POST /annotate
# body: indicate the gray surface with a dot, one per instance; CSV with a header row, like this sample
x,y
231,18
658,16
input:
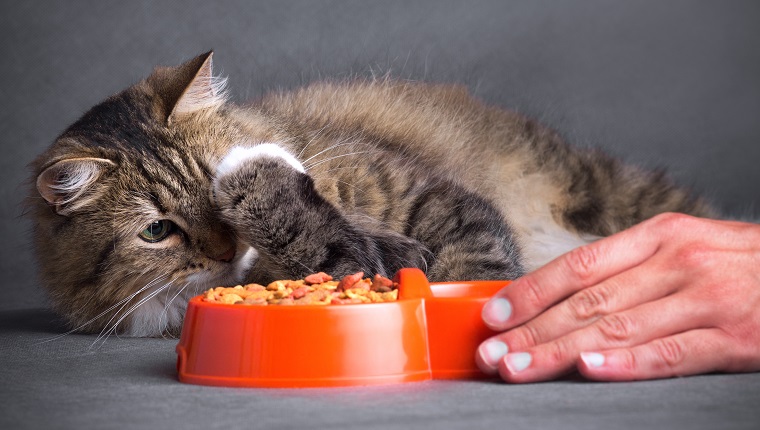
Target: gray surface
x,y
671,84
131,383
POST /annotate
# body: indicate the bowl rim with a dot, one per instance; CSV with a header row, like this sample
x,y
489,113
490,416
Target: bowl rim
x,y
489,287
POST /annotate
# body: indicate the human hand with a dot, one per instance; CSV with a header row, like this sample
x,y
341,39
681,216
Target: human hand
x,y
672,296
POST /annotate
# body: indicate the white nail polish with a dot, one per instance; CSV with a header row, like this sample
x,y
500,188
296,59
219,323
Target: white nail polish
x,y
592,359
492,351
518,361
497,311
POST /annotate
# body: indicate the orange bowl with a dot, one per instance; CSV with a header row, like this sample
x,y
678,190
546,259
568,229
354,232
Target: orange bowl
x,y
453,319
432,331
455,327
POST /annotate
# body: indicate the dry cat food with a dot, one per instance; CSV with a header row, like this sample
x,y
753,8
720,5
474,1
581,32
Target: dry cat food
x,y
316,289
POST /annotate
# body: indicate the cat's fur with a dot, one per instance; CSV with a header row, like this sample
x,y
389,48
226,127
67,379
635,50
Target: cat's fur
x,y
335,177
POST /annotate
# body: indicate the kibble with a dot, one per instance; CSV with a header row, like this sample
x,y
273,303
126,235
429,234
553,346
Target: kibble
x,y
316,289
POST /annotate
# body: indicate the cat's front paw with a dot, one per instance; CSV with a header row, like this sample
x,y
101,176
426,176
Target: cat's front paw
x,y
258,179
264,194
248,171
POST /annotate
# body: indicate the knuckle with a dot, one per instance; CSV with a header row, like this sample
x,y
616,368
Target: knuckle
x,y
693,256
628,362
589,303
582,262
531,335
534,293
523,337
559,351
671,225
616,328
670,220
669,351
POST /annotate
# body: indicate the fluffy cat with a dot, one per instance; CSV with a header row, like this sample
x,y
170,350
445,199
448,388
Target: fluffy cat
x,y
166,189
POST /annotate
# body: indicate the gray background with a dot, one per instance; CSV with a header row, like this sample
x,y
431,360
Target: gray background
x,y
671,84
660,83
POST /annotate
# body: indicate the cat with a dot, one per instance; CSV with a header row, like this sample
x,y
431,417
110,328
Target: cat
x,y
167,189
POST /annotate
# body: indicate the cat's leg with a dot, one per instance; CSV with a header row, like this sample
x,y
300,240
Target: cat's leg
x,y
468,237
264,194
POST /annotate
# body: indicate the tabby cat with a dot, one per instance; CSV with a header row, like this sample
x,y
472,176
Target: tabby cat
x,y
166,189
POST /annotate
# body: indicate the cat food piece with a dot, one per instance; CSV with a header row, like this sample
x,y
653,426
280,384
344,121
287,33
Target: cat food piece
x,y
381,284
300,292
318,278
316,289
348,281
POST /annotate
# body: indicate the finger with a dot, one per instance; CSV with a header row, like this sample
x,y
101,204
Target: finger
x,y
580,268
644,323
621,292
618,293
689,353
489,354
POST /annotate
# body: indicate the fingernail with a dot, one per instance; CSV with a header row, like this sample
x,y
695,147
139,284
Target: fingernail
x,y
497,311
492,351
518,361
592,359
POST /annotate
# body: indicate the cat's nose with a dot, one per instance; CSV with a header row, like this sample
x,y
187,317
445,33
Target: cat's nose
x,y
226,256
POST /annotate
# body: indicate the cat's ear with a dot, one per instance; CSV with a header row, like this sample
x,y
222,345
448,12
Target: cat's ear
x,y
189,87
72,183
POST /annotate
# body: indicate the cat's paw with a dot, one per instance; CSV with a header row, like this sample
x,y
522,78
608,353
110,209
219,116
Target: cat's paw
x,y
262,193
257,178
236,172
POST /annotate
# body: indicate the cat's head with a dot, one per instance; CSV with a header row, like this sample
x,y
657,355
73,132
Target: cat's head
x,y
124,228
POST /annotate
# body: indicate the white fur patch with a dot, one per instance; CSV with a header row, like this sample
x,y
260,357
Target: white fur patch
x,y
542,239
65,182
80,176
546,241
244,263
240,154
167,307
156,314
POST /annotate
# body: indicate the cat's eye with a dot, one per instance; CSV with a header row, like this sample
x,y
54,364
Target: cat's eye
x,y
157,231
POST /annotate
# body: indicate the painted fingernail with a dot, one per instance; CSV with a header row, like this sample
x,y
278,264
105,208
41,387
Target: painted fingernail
x,y
518,361
497,311
491,352
592,359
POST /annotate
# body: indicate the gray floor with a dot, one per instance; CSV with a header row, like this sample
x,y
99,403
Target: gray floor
x,y
132,383
673,84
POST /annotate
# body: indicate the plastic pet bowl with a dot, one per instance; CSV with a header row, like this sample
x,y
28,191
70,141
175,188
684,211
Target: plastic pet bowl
x,y
430,332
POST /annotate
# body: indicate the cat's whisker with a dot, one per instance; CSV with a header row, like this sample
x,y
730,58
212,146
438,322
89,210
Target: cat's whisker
x,y
333,169
96,317
106,331
317,134
124,302
335,157
308,269
283,263
128,312
348,141
320,174
165,313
